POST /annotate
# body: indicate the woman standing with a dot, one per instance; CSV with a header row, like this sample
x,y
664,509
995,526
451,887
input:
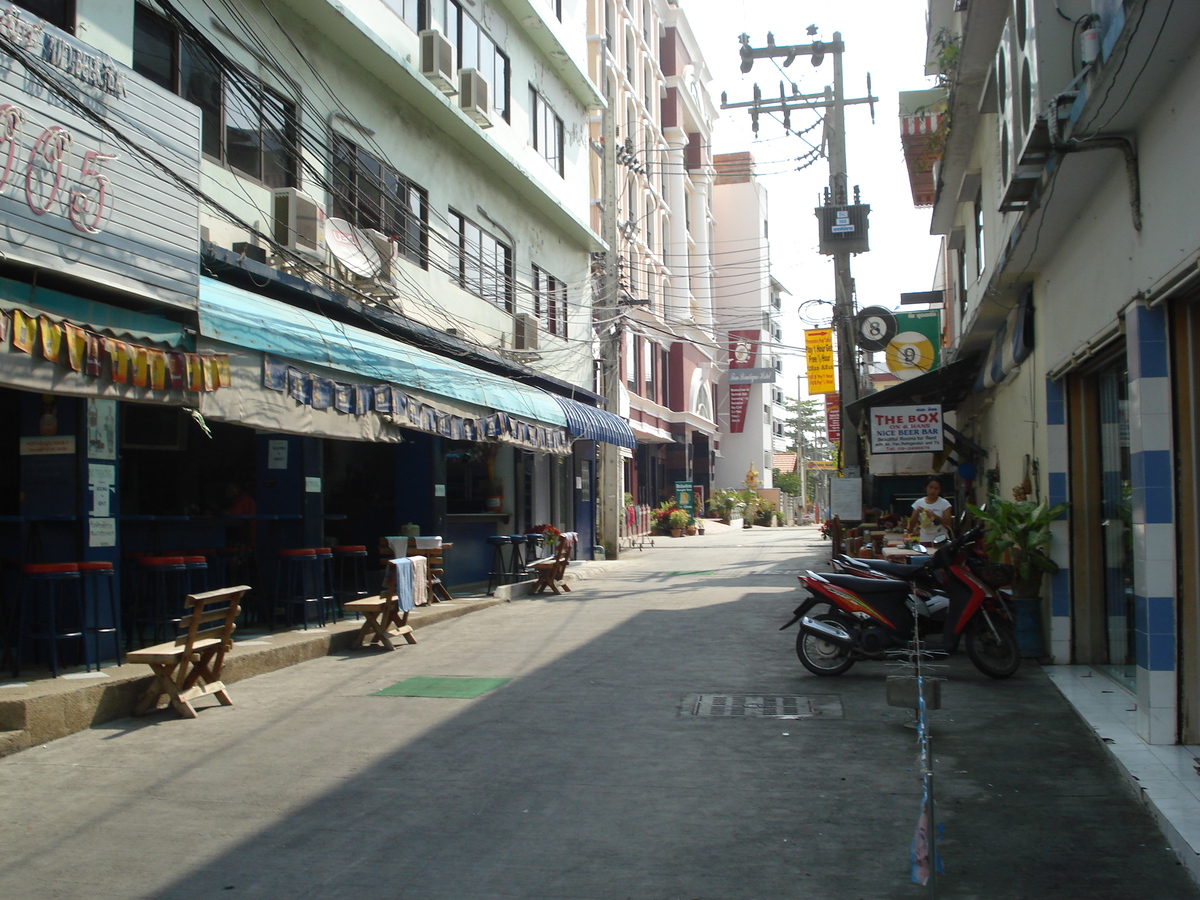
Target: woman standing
x,y
931,514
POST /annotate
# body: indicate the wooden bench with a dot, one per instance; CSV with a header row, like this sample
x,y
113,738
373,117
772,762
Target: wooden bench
x,y
551,569
382,617
190,666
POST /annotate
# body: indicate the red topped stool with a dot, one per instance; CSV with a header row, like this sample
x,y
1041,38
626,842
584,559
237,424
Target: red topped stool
x,y
101,616
51,611
298,586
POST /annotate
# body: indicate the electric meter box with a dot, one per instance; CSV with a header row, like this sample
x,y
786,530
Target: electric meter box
x,y
843,228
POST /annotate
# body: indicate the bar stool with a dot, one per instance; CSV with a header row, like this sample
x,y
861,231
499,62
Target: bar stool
x,y
197,573
324,585
516,569
498,574
98,593
162,584
297,585
350,573
533,547
51,610
218,568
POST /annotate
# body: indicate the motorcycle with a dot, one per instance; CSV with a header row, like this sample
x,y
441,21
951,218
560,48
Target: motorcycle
x,y
952,597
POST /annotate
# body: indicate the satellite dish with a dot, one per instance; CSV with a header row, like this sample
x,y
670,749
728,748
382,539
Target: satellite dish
x,y
353,249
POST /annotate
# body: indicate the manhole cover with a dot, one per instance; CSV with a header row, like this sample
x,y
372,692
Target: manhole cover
x,y
765,706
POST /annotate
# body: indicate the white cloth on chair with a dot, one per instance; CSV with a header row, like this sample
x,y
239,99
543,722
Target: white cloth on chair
x,y
399,545
406,582
420,580
428,542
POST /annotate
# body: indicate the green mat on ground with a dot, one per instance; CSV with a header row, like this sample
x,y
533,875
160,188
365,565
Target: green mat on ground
x,y
456,687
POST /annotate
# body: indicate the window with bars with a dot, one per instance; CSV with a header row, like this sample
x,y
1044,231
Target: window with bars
x,y
475,49
550,302
371,194
482,263
546,131
244,124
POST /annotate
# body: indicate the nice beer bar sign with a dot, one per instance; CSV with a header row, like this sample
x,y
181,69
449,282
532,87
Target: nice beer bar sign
x,y
906,429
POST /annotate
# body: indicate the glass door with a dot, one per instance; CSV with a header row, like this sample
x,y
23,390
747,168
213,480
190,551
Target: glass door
x,y
1116,524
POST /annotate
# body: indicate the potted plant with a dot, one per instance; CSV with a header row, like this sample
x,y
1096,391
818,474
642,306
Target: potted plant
x,y
1019,534
678,521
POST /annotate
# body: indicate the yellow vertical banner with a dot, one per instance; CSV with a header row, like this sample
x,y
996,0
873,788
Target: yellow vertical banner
x,y
818,346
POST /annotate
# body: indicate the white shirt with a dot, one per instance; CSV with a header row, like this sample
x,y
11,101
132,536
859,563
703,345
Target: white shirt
x,y
928,520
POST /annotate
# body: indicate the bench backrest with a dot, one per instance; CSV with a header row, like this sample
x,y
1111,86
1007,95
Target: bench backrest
x,y
212,614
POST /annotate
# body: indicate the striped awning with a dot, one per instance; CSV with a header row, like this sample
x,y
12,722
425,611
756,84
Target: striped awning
x,y
594,424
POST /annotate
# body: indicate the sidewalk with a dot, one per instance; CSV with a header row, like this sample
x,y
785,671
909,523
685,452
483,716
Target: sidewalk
x,y
41,708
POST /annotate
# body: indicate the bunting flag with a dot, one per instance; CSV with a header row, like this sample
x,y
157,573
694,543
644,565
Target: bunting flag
x,y
24,331
52,335
98,356
76,345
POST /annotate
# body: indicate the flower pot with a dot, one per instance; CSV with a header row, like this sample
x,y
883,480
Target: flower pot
x,y
1030,640
676,532
691,529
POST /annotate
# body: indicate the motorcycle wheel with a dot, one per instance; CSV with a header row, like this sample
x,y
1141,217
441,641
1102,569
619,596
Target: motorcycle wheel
x,y
822,657
994,658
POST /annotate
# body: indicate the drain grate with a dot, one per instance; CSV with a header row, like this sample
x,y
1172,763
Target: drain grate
x,y
765,706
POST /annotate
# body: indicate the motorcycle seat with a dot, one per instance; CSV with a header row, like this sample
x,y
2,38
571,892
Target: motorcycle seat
x,y
898,570
866,585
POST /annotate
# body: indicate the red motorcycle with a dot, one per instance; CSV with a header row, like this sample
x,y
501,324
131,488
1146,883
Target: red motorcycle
x,y
948,600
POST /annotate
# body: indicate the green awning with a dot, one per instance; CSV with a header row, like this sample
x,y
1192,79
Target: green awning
x,y
238,317
92,314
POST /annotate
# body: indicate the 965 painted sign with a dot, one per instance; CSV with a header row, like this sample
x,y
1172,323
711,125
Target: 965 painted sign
x,y
78,192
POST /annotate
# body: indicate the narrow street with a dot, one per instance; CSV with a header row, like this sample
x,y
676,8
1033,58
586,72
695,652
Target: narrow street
x,y
586,776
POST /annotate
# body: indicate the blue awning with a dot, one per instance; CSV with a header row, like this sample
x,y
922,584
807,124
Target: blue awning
x,y
594,424
235,316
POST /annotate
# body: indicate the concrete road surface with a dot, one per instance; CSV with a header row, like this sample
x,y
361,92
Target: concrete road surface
x,y
587,775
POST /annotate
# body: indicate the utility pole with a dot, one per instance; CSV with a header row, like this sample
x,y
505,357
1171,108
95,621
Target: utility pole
x,y
833,101
608,455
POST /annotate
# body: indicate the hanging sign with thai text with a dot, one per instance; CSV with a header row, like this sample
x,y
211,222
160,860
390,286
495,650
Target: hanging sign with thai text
x,y
818,346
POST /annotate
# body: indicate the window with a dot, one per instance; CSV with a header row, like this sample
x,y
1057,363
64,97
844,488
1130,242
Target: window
x,y
371,194
475,48
59,13
550,302
546,131
245,124
408,10
482,264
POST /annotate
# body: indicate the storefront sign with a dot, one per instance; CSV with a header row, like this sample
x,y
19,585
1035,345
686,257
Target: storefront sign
x,y
915,348
83,201
818,347
743,354
845,499
684,497
47,446
102,532
906,429
833,418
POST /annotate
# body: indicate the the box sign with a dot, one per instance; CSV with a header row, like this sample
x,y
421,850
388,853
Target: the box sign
x,y
906,429
83,145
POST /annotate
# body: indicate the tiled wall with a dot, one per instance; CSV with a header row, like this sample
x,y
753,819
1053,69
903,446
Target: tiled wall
x,y
1056,469
1153,522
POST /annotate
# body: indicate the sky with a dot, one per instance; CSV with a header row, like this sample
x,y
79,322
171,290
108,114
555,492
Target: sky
x,y
883,37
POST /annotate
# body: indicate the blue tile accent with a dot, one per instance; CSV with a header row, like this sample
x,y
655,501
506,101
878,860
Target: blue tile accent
x,y
1057,489
1161,656
1056,403
1152,342
1151,324
1159,506
1160,614
1060,593
1155,469
1141,616
1141,649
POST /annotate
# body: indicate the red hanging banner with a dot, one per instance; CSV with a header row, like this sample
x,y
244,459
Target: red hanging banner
x,y
743,353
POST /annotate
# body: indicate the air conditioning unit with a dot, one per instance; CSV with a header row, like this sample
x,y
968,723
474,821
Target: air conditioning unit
x,y
526,329
299,222
386,248
1040,48
473,97
437,60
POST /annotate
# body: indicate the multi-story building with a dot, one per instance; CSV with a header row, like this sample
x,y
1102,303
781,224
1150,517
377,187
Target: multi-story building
x,y
339,255
748,305
663,204
1062,188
